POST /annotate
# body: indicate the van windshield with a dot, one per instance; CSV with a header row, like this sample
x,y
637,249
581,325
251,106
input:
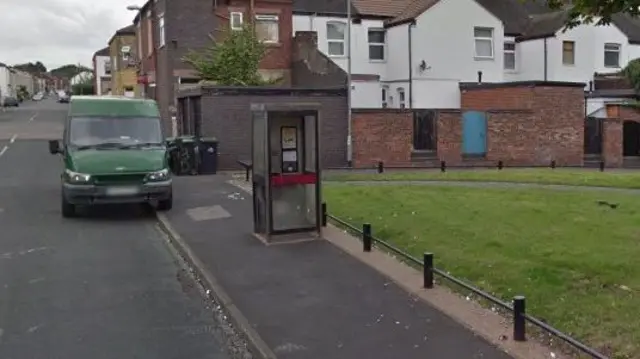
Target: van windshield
x,y
119,132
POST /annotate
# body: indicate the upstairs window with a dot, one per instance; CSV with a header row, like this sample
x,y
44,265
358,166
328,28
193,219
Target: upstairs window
x,y
568,53
483,37
161,33
235,20
612,55
336,38
267,28
376,44
509,55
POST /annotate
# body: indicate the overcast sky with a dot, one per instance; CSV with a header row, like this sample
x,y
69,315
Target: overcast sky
x,y
59,32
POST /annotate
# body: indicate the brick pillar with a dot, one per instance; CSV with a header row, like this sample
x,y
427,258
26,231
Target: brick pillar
x,y
612,142
612,137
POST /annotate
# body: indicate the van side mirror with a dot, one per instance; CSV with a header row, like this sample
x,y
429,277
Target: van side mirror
x,y
54,147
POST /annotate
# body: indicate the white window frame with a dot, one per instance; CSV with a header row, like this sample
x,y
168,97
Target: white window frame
x,y
573,53
378,44
483,38
343,41
239,16
272,19
510,53
612,47
402,98
162,40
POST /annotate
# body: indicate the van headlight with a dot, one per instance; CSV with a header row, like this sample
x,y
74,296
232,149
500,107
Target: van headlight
x,y
75,177
156,176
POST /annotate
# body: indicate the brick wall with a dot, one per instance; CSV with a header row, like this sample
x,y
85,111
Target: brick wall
x,y
312,67
613,138
277,60
527,124
531,123
226,115
382,135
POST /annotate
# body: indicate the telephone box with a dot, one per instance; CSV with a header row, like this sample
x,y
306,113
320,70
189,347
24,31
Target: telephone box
x,y
286,169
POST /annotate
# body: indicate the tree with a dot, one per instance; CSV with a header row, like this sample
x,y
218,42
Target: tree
x,y
68,71
232,61
594,11
83,84
32,68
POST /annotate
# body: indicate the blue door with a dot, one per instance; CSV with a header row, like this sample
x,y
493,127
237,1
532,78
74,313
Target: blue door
x,y
474,133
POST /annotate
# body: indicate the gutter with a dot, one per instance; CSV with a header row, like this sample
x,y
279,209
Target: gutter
x,y
546,65
410,33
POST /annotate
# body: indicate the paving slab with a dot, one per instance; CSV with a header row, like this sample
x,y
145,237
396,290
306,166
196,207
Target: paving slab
x,y
310,299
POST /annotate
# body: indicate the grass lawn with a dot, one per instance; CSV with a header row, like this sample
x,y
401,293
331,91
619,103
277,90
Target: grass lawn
x,y
577,262
584,177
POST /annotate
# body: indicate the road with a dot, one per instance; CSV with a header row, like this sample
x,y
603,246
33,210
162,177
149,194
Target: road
x,y
103,286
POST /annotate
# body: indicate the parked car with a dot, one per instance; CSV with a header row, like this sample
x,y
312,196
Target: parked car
x,y
38,97
63,97
10,102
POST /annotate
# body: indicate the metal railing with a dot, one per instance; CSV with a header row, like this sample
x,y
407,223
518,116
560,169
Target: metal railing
x,y
429,270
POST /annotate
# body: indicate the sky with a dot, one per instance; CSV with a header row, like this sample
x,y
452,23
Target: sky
x,y
59,32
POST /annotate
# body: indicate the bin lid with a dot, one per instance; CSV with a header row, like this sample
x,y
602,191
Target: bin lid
x,y
185,138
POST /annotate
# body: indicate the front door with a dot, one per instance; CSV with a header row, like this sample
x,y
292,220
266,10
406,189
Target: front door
x,y
474,133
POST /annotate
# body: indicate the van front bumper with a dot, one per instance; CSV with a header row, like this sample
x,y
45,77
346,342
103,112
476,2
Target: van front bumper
x,y
138,193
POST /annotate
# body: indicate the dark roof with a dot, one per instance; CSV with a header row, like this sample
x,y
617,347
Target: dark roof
x,y
510,12
386,8
322,7
127,30
102,52
547,24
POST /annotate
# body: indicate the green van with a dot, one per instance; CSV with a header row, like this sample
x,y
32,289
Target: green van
x,y
113,151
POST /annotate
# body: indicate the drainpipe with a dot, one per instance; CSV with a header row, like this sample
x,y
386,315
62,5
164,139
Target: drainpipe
x,y
349,129
546,66
409,34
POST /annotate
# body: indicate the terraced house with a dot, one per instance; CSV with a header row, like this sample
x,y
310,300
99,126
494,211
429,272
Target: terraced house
x,y
167,30
124,57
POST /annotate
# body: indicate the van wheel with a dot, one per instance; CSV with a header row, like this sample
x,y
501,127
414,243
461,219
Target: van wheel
x,y
68,209
166,205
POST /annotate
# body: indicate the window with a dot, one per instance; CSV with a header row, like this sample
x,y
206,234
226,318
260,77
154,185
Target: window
x,y
483,42
568,53
107,67
376,44
149,26
139,37
267,28
385,92
336,38
509,55
161,33
235,21
612,55
401,98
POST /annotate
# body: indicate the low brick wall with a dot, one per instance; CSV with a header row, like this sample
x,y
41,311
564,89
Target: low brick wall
x,y
382,135
527,125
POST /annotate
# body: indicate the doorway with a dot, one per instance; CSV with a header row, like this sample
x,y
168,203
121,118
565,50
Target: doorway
x,y
593,130
631,139
474,134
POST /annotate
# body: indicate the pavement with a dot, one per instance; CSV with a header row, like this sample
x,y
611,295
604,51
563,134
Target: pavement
x,y
310,299
103,286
